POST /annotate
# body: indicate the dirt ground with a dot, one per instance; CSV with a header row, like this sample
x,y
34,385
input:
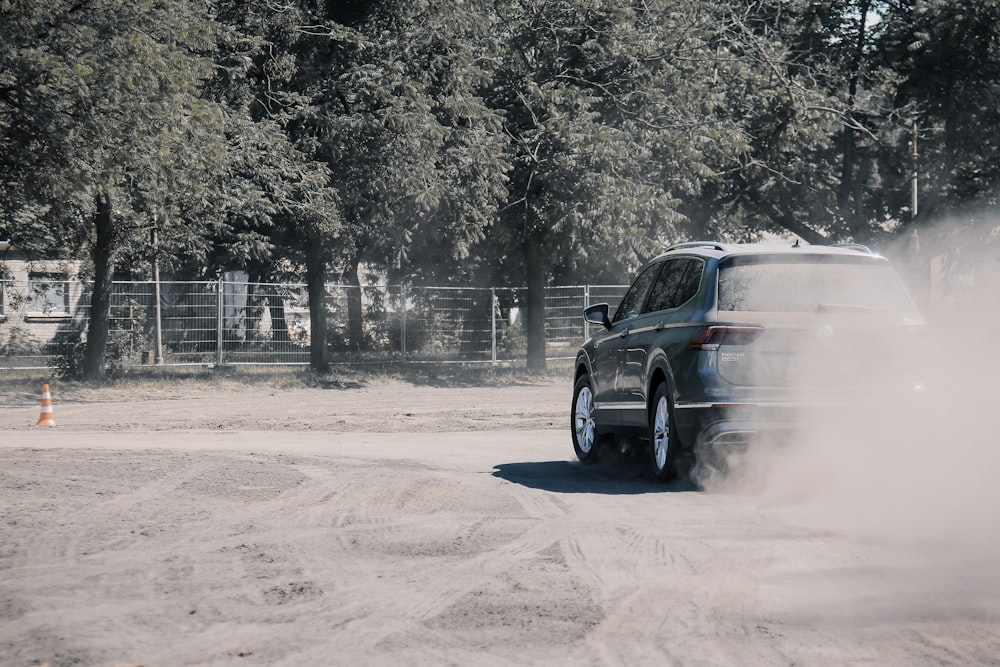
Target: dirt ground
x,y
428,521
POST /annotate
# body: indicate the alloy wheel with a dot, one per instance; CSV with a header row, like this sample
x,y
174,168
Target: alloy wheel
x,y
583,420
661,433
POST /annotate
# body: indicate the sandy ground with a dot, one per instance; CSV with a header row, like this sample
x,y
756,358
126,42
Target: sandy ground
x,y
390,522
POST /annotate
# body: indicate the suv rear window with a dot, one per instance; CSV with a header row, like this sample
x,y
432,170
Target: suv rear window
x,y
812,283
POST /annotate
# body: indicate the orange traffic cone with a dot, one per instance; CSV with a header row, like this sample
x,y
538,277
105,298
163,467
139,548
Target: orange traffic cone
x,y
46,418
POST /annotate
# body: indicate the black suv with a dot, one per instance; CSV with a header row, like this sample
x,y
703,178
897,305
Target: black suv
x,y
714,344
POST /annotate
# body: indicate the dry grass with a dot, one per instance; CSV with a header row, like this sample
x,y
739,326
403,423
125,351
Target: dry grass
x,y
176,380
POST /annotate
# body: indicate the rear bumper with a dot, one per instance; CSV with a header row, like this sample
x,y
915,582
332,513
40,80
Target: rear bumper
x,y
730,422
733,424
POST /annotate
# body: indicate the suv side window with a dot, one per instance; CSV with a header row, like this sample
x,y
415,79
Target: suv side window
x,y
631,304
677,284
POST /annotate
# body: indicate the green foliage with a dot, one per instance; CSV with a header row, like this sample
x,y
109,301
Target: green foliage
x,y
431,333
14,299
833,121
611,126
946,56
19,343
124,349
103,95
277,200
378,320
101,111
416,157
512,343
69,362
439,141
131,334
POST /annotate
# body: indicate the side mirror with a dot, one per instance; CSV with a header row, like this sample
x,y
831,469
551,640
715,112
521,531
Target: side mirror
x,y
598,314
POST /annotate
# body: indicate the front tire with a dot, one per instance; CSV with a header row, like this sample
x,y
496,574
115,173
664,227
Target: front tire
x,y
663,443
583,424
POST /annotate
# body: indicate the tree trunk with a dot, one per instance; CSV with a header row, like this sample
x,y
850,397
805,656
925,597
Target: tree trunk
x,y
851,181
100,299
535,303
316,285
279,324
355,324
847,178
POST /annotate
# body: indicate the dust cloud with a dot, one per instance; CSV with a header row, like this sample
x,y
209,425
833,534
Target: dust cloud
x,y
908,465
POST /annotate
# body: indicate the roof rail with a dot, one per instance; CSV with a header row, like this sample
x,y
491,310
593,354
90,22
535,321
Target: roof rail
x,y
698,244
853,246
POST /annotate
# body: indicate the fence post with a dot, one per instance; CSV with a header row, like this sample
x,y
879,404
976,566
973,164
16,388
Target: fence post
x,y
402,322
218,323
586,305
494,306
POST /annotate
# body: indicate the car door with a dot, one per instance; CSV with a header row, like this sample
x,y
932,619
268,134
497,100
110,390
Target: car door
x,y
656,327
608,348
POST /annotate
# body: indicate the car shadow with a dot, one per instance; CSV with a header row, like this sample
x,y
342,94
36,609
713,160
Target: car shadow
x,y
618,476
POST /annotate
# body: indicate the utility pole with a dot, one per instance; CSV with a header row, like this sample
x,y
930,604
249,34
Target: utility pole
x,y
158,353
913,168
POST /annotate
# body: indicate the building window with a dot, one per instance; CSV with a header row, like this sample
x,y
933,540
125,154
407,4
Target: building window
x,y
48,294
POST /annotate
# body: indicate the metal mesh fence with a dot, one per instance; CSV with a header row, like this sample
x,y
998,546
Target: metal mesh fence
x,y
263,323
231,323
449,324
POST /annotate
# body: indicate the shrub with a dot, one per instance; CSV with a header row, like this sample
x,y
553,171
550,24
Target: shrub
x,y
69,362
19,343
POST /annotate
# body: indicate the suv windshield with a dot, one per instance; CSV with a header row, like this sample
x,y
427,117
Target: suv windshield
x,y
812,283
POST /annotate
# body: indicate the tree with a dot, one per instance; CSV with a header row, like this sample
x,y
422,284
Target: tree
x,y
771,79
99,110
416,157
832,122
610,126
279,204
946,56
829,48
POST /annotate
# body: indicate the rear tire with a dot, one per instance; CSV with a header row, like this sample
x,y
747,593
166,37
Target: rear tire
x,y
583,425
663,443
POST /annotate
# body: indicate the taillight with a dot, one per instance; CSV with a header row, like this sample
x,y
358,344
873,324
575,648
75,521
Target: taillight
x,y
716,335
